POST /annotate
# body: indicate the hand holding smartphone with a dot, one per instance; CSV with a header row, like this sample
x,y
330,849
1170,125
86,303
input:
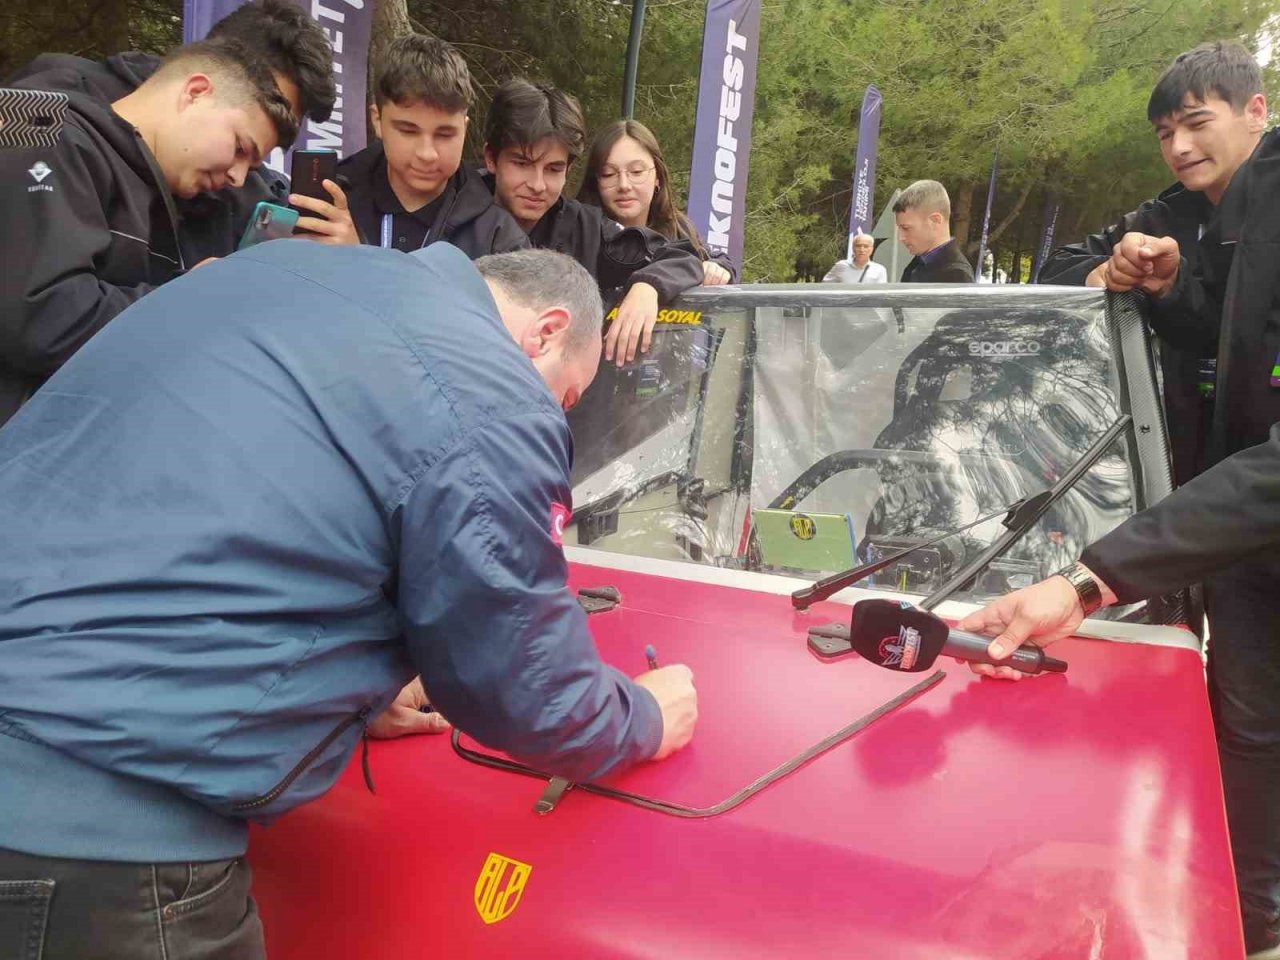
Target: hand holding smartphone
x,y
324,215
308,172
270,221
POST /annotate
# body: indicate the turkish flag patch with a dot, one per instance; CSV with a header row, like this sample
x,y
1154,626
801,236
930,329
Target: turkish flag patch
x,y
560,515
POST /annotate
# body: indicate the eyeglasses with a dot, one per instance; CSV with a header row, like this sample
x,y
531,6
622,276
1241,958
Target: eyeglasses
x,y
636,174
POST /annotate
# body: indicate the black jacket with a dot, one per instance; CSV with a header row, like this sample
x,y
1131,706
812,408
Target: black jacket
x,y
212,223
615,256
88,227
1230,303
1228,514
1181,214
948,265
1232,511
469,218
723,259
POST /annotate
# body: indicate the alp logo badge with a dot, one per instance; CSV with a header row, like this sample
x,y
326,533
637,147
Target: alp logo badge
x,y
500,886
803,526
39,170
901,651
560,515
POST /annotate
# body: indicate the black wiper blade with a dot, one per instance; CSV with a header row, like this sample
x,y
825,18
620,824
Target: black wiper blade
x,y
1028,513
803,598
1019,517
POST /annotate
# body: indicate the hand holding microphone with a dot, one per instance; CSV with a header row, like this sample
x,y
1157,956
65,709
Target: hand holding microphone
x,y
899,637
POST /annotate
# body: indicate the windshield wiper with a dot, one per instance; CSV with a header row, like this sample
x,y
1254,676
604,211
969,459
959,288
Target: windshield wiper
x,y
1018,519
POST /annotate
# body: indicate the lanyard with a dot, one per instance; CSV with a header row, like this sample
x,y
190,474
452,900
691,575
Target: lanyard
x,y
386,233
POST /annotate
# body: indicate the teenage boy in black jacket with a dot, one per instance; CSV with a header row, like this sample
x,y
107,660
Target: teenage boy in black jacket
x,y
410,189
1203,148
96,226
1209,112
533,135
296,49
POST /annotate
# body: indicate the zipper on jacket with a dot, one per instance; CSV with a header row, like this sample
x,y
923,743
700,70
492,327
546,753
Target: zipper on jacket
x,y
361,716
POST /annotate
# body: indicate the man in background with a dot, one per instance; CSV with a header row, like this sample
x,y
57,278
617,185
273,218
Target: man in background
x,y
861,269
923,216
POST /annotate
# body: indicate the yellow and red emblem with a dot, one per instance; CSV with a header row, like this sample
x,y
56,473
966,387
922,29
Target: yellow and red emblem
x,y
500,886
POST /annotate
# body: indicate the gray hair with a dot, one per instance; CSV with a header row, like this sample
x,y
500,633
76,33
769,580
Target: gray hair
x,y
539,279
928,196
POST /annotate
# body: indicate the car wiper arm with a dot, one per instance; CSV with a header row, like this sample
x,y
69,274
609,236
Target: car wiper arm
x,y
1031,510
1019,517
824,588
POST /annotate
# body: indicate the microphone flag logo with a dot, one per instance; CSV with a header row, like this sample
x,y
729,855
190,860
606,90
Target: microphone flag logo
x,y
901,651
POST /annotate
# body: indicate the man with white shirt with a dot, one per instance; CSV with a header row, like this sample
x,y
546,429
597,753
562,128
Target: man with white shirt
x,y
860,269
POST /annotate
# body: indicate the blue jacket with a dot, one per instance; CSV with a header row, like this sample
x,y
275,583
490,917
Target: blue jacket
x,y
259,501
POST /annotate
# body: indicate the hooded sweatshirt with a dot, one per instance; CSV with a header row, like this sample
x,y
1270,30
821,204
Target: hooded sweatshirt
x,y
211,224
88,227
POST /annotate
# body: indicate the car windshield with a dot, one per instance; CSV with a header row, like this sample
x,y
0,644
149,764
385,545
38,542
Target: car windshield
x,y
803,429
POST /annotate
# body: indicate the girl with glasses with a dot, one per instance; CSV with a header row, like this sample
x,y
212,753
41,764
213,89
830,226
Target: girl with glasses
x,y
627,176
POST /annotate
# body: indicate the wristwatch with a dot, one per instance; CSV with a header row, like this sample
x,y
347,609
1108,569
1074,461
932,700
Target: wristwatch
x,y
1086,587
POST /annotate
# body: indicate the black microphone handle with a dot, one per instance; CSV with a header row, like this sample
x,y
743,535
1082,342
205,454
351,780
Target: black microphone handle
x,y
1028,658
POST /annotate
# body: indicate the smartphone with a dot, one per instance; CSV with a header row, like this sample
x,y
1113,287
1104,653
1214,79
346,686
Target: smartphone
x,y
309,170
269,222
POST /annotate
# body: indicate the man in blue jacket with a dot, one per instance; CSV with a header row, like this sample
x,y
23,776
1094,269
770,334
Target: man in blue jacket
x,y
237,522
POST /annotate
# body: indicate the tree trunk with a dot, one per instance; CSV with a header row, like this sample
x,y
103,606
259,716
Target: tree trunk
x,y
390,20
1012,216
962,215
111,24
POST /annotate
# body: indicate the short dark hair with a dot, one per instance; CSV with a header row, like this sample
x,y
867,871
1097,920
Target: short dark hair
x,y
242,76
540,279
928,196
1224,69
292,43
415,68
522,113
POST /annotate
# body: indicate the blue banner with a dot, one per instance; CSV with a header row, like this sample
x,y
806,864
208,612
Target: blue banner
x,y
986,223
347,23
1050,220
722,134
861,207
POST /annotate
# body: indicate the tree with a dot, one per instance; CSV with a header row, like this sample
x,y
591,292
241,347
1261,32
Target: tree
x,y
390,20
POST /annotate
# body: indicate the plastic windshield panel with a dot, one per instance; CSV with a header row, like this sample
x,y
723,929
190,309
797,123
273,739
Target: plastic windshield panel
x,y
912,409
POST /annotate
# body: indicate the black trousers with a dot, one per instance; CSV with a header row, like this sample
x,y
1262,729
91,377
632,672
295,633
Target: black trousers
x,y
54,909
1244,689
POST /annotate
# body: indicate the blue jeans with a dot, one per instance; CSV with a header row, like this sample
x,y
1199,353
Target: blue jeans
x,y
55,909
1244,689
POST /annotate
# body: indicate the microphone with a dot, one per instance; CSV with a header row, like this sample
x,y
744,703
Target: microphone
x,y
897,636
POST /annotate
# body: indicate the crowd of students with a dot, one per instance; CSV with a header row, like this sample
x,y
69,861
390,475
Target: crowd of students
x,y
159,167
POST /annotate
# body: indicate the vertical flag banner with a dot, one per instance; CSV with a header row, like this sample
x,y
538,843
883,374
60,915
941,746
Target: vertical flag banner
x,y
986,222
864,168
1051,211
347,24
722,135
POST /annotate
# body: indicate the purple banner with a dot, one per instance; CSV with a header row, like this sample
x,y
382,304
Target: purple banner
x,y
1050,220
864,168
986,224
347,23
722,135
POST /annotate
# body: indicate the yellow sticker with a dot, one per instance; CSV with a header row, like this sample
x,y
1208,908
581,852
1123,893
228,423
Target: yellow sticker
x,y
668,315
499,887
803,526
